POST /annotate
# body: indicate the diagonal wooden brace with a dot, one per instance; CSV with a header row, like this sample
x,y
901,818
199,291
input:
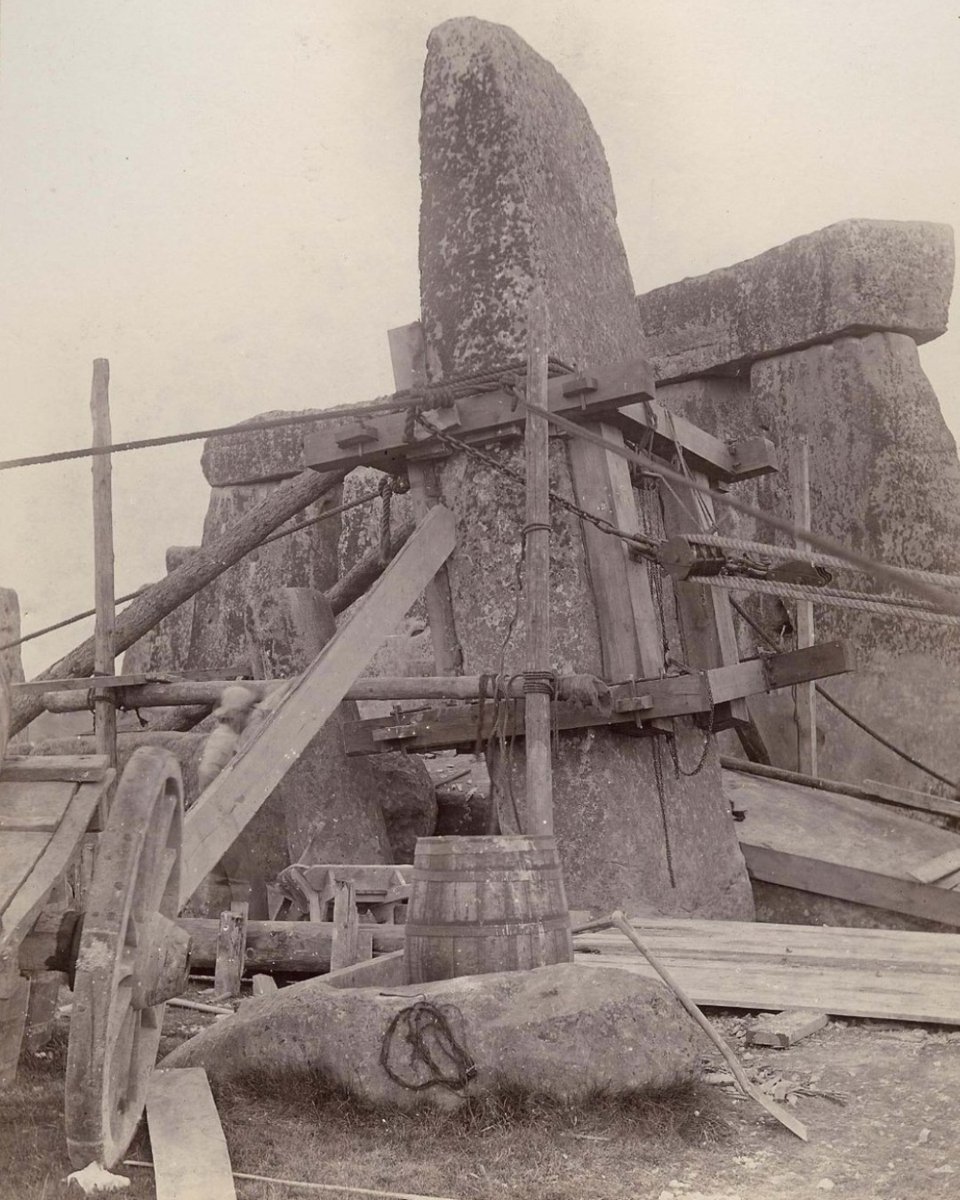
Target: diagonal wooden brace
x,y
298,712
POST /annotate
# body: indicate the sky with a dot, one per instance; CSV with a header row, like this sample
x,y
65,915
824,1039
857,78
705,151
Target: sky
x,y
222,199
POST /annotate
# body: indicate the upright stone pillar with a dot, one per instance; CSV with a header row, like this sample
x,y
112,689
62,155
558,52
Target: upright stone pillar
x,y
516,189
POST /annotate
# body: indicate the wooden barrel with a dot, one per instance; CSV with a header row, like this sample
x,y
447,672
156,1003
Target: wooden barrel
x,y
482,904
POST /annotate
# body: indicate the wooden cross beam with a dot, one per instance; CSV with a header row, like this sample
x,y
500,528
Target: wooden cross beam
x,y
621,393
635,707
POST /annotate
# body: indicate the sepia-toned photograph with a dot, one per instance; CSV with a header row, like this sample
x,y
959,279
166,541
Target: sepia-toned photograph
x,y
479,600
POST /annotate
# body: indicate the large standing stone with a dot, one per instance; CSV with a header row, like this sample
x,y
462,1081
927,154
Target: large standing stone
x,y
885,480
516,190
851,278
566,1031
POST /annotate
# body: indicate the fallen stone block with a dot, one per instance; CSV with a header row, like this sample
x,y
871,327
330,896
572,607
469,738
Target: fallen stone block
x,y
564,1031
850,279
407,800
785,1029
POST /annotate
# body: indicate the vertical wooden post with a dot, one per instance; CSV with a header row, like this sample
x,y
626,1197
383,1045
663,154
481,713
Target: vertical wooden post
x,y
805,695
103,662
231,950
539,768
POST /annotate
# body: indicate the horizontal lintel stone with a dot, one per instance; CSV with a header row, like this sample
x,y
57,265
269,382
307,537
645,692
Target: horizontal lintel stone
x,y
850,279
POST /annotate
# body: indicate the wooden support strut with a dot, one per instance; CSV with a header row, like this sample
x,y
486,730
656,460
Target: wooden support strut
x,y
300,710
538,817
105,712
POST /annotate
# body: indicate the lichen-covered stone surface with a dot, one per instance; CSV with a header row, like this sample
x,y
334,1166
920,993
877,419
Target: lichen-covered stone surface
x,y
566,1031
165,647
516,189
884,480
221,633
851,278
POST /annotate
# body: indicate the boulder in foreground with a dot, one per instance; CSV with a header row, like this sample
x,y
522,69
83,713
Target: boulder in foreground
x,y
564,1031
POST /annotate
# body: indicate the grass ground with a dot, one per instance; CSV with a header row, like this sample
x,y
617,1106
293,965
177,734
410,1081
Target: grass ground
x,y
893,1139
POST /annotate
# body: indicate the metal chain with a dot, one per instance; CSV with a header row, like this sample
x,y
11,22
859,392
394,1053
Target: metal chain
x,y
645,545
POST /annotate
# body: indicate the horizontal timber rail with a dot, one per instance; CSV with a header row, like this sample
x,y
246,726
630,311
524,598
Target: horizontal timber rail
x,y
163,694
634,706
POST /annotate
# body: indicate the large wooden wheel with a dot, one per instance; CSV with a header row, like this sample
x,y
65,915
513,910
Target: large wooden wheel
x,y
132,958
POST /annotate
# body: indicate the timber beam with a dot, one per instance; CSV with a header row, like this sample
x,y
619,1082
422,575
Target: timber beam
x,y
381,441
633,709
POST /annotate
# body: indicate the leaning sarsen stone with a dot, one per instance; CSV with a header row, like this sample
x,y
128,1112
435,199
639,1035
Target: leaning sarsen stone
x,y
516,190
850,279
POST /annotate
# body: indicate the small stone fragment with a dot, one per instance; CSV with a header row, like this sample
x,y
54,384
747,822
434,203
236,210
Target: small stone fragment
x,y
94,1178
826,1185
785,1029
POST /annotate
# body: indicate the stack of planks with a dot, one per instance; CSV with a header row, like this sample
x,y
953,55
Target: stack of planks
x,y
878,973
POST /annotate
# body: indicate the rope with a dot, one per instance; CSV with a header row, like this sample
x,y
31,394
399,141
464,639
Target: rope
x,y
823,560
92,612
543,683
844,711
894,575
401,401
448,1063
828,597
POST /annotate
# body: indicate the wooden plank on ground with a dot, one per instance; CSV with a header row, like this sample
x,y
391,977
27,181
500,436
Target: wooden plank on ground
x,y
37,806
238,792
785,1029
190,1156
935,869
876,973
842,882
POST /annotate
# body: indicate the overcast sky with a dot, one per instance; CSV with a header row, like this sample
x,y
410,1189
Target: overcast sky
x,y
221,197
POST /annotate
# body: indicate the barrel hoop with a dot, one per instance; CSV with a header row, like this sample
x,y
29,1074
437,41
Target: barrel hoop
x,y
501,928
487,874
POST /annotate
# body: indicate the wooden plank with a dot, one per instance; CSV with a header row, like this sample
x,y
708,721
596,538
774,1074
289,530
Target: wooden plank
x,y
79,768
104,637
663,431
902,997
935,869
760,945
190,1156
237,793
908,798
408,355
13,1017
674,695
573,396
805,694
351,944
18,911
852,883
390,970
37,807
447,652
606,563
231,948
131,680
626,517
538,811
19,853
877,973
813,662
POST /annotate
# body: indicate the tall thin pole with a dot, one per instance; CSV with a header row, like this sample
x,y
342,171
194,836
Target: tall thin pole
x,y
539,776
105,712
804,693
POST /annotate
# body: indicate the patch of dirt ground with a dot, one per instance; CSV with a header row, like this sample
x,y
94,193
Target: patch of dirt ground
x,y
880,1101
